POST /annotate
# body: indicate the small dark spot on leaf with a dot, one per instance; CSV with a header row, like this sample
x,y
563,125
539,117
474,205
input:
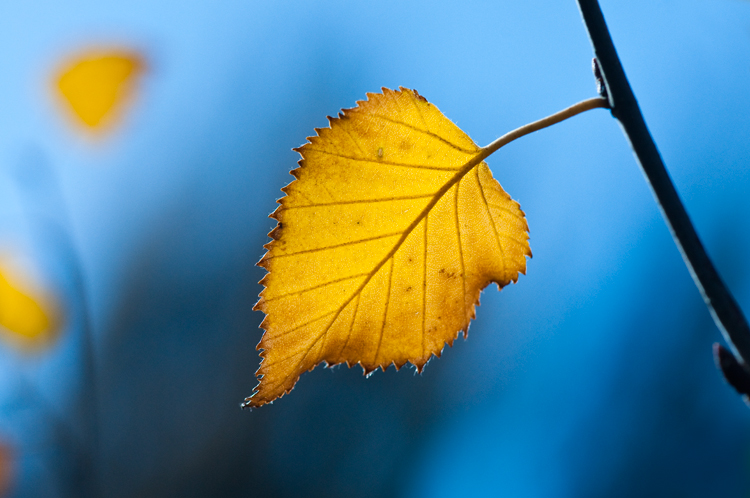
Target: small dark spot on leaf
x,y
446,273
380,152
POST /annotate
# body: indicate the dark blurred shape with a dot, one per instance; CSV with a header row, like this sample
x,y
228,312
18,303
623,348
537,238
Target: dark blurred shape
x,y
734,372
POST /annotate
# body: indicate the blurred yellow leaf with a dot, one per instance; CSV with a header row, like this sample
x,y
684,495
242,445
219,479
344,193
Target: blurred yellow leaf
x,y
96,85
384,242
27,317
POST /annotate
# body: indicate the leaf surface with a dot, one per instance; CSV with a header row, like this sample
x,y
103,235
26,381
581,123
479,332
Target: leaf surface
x,y
393,226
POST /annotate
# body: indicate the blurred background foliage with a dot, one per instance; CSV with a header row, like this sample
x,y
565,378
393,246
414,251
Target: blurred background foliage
x,y
592,376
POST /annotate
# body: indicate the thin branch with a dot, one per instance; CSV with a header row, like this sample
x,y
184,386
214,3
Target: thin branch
x,y
724,309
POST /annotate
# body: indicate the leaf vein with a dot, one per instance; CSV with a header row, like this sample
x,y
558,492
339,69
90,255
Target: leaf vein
x,y
460,250
507,210
419,111
336,246
282,360
513,239
296,293
294,329
364,201
346,129
307,351
351,326
385,313
492,220
426,132
381,161
471,164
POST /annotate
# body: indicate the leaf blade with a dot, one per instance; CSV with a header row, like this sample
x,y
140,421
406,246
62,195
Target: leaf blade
x,y
357,269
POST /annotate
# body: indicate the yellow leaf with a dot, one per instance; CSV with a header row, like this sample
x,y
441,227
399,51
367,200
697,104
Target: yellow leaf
x,y
28,318
384,241
96,85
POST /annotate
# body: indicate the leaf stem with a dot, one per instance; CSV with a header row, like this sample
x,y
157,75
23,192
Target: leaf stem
x,y
575,109
724,309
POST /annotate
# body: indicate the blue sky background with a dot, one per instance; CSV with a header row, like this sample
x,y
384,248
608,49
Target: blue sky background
x,y
592,376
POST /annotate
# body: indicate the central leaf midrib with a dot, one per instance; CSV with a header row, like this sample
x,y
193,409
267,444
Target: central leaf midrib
x,y
471,164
